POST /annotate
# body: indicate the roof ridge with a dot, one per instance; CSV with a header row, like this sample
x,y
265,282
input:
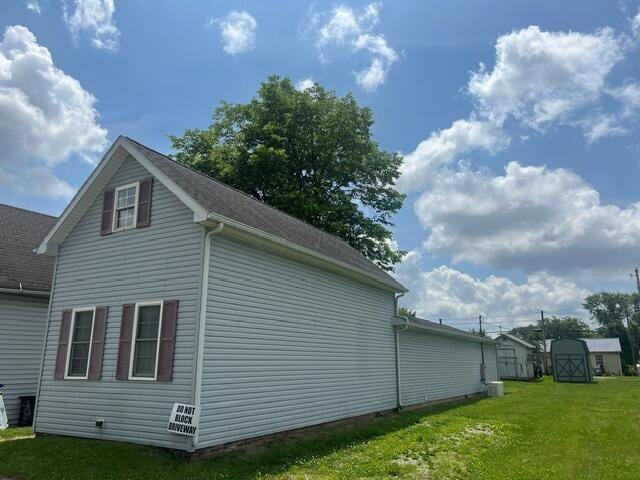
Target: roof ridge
x,y
28,211
258,200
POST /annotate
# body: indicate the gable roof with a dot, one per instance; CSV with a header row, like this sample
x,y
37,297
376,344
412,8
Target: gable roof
x,y
212,200
517,340
20,232
598,345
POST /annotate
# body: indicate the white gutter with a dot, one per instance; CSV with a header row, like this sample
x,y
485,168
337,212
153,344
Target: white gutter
x,y
397,329
401,321
21,291
390,283
44,344
203,319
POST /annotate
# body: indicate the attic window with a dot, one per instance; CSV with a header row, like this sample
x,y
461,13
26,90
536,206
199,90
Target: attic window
x,y
125,206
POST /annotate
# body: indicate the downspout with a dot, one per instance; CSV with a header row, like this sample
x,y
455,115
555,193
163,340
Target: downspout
x,y
203,319
397,330
44,344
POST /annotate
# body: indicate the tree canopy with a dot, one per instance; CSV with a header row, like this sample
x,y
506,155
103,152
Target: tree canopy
x,y
556,327
619,316
309,153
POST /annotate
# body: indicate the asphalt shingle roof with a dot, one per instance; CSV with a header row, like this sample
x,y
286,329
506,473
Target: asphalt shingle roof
x,y
224,200
598,344
20,232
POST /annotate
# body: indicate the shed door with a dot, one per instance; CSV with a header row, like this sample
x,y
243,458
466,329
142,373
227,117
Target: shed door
x,y
507,363
570,368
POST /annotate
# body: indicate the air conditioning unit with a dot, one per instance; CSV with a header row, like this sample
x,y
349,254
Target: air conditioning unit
x,y
495,389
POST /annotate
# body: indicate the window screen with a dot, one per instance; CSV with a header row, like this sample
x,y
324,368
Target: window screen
x,y
80,344
146,342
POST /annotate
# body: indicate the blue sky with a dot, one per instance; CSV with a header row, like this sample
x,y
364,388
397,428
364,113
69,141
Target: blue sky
x,y
528,202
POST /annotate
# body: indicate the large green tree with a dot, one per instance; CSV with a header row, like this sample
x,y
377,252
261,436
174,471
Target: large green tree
x,y
619,316
309,153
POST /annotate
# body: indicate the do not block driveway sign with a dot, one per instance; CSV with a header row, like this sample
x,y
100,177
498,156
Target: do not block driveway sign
x,y
184,419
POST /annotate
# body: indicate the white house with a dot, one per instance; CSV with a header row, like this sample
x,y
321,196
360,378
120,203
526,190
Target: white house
x,y
173,288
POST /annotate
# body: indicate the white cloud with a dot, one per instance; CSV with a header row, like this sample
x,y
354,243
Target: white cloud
x,y
304,84
238,32
353,29
542,77
37,182
539,79
601,126
531,218
629,97
452,295
445,146
45,115
635,24
93,18
34,5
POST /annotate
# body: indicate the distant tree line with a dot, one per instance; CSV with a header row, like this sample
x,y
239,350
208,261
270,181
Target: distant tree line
x,y
616,314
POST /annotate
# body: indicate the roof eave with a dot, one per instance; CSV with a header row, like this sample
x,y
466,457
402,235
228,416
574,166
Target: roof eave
x,y
302,253
405,321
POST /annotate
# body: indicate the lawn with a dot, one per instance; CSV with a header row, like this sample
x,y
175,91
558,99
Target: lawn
x,y
539,430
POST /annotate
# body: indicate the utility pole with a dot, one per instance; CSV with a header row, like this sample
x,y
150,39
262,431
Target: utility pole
x,y
500,327
632,337
544,344
483,375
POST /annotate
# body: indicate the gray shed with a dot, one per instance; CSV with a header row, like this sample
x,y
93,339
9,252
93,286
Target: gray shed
x,y
515,357
570,359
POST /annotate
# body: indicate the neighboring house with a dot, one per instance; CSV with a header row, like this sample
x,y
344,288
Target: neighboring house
x,y
515,357
173,287
25,281
604,354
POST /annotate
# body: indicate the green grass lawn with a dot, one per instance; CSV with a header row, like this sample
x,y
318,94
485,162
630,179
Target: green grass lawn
x,y
539,430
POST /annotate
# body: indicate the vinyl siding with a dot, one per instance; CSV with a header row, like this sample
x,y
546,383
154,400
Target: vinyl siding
x,y
162,261
22,328
438,367
289,346
612,362
515,360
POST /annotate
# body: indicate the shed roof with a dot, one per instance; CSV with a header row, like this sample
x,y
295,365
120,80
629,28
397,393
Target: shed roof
x,y
20,233
218,197
517,340
604,345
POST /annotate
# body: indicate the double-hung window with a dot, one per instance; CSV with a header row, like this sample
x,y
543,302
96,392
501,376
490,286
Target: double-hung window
x,y
125,207
81,332
147,326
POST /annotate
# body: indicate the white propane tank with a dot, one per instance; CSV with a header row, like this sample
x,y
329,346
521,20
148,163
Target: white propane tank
x,y
495,389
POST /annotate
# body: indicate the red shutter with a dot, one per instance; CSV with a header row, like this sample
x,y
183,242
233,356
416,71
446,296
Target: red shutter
x,y
124,350
167,340
144,203
97,343
107,213
63,345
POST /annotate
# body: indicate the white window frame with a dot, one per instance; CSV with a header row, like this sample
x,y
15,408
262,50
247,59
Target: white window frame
x,y
73,322
134,335
114,221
